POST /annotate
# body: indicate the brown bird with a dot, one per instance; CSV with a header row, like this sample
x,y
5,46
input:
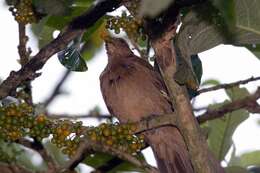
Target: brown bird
x,y
132,90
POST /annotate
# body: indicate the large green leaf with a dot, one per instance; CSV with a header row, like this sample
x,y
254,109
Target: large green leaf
x,y
206,26
222,129
248,15
236,169
250,159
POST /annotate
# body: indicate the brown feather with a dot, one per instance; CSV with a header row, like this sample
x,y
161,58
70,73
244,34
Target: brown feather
x,y
132,90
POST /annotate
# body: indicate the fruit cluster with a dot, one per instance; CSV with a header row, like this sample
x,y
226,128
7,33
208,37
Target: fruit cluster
x,y
67,135
117,136
23,12
18,120
128,23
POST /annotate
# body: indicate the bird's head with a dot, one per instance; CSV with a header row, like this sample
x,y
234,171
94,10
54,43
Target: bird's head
x,y
117,47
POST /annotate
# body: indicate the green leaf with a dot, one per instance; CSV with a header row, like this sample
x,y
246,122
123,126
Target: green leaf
x,y
60,22
83,3
255,49
98,159
43,33
250,159
236,93
126,167
206,26
53,7
197,34
197,66
236,169
152,8
222,129
248,15
72,60
210,82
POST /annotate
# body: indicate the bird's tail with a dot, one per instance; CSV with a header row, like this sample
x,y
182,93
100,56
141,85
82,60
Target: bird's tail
x,y
170,150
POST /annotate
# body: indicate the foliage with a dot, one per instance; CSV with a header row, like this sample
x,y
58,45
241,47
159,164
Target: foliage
x,y
204,26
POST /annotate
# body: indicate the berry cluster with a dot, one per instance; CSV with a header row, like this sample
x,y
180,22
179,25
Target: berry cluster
x,y
23,12
14,121
128,23
117,136
18,120
67,135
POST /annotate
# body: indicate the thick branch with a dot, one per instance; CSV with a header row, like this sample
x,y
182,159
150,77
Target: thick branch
x,y
200,156
76,28
227,86
248,103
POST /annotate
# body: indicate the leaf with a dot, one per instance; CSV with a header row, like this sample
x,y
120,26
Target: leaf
x,y
234,160
126,167
43,33
152,8
236,93
197,34
250,159
248,15
210,82
98,159
72,60
236,169
222,129
206,26
83,3
197,66
53,7
255,49
60,22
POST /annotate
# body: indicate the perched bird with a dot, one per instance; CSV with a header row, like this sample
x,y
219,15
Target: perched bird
x,y
132,90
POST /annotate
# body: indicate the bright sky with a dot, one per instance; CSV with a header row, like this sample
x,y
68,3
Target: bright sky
x,y
225,63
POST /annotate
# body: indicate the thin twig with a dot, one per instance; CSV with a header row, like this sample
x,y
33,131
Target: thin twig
x,y
57,89
75,28
227,86
38,147
249,103
24,54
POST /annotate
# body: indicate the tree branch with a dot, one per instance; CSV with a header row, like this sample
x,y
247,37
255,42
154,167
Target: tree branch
x,y
52,165
248,103
24,54
11,168
227,86
87,146
57,90
75,28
